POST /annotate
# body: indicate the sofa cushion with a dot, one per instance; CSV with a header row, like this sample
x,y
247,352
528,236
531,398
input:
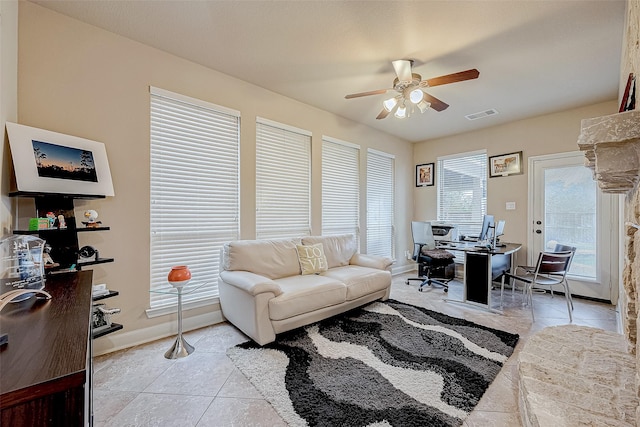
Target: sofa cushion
x,y
359,280
311,258
337,249
270,258
303,294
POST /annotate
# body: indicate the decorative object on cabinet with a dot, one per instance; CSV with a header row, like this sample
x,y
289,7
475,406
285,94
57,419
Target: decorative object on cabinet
x,y
38,224
88,252
46,257
21,268
62,224
91,217
50,162
102,316
20,295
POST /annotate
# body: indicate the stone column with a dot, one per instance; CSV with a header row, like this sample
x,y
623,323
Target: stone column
x,y
612,150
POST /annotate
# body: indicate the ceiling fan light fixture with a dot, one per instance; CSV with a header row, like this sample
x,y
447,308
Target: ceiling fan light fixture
x,y
390,103
423,105
401,112
416,96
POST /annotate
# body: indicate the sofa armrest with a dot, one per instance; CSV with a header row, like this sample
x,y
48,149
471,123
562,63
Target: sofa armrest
x,y
251,283
373,261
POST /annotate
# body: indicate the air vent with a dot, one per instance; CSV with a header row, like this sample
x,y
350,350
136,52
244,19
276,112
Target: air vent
x,y
482,114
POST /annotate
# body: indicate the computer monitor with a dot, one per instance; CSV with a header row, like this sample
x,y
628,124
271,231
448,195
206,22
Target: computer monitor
x,y
487,222
500,228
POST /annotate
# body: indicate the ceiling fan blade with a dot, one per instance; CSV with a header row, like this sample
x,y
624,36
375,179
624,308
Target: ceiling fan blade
x,y
384,113
436,104
403,70
453,78
373,92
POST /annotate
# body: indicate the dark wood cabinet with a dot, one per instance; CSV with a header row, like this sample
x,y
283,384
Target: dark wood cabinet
x,y
45,368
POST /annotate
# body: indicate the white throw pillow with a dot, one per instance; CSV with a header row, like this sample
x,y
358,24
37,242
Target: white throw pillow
x,y
312,259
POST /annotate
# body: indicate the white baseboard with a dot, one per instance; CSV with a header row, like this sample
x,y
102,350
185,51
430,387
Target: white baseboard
x,y
401,269
121,340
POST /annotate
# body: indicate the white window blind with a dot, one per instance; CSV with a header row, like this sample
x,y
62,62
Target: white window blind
x,y
340,187
462,190
283,180
194,191
380,204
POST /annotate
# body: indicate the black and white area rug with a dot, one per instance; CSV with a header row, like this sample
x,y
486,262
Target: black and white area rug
x,y
386,364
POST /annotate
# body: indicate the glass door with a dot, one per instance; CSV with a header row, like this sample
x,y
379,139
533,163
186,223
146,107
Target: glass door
x,y
566,207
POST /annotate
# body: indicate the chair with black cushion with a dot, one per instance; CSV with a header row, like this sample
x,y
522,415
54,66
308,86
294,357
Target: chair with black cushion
x,y
432,262
550,270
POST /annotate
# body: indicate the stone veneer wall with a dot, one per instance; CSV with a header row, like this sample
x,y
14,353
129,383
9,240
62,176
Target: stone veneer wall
x,y
612,150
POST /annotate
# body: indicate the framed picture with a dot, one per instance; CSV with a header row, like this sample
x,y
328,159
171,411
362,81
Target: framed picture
x,y
505,164
50,162
425,174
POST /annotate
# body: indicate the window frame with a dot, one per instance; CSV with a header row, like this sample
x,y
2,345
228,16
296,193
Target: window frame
x,y
340,171
474,223
270,185
389,208
175,117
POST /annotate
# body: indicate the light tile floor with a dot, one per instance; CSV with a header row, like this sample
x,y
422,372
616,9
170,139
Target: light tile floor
x,y
139,387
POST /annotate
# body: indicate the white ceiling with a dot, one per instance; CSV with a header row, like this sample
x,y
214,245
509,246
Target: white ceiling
x,y
534,57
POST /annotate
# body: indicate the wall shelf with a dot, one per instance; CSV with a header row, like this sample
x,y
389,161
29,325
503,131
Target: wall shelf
x,y
94,262
35,194
57,230
99,332
64,241
105,296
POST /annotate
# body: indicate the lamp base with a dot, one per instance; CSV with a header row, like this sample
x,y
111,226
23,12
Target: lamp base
x,y
180,348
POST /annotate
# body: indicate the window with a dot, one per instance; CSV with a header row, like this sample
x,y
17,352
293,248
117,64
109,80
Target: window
x,y
283,180
194,192
380,204
340,187
462,190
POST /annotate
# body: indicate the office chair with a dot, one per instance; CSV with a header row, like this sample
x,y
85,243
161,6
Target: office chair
x,y
550,270
431,260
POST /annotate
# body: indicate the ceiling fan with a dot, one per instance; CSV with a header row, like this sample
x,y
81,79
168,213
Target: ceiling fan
x,y
409,87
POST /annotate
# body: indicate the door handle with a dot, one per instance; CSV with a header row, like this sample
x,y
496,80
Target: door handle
x,y
538,231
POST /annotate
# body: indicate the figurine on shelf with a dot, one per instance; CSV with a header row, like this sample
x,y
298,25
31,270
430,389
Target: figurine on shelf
x,y
102,316
61,222
92,217
52,219
46,257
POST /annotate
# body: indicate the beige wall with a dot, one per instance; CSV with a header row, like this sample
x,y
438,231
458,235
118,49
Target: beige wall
x,y
80,80
8,99
553,133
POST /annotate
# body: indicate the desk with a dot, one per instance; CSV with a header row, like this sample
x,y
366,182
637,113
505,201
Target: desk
x,y
481,268
45,369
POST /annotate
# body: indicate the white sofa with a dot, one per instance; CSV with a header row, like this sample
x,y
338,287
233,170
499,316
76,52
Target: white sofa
x,y
263,291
